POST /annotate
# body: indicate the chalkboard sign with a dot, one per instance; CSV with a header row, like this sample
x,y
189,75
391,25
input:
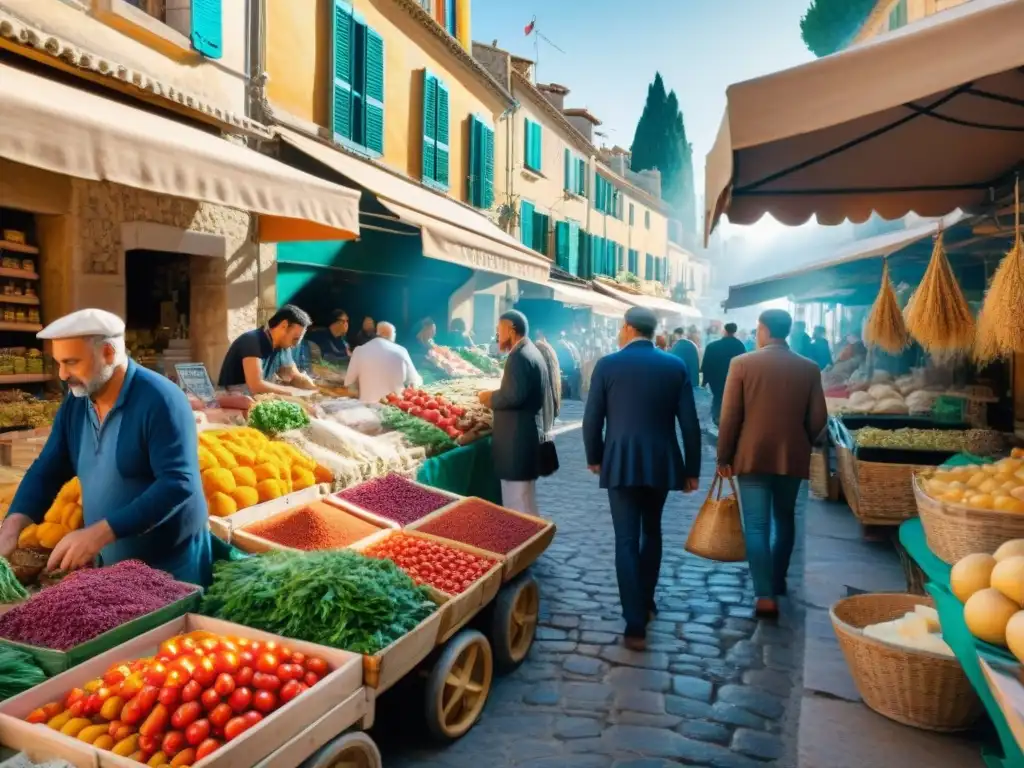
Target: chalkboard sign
x,y
194,379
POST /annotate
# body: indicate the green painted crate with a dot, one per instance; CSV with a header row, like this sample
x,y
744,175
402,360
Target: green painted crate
x,y
54,662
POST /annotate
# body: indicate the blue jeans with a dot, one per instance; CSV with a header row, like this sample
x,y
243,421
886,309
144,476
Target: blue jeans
x,y
636,516
768,504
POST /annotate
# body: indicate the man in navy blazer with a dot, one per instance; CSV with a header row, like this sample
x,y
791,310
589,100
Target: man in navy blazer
x,y
637,395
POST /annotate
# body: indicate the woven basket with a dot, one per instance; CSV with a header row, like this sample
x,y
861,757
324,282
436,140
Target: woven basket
x,y
820,476
954,531
912,572
917,688
885,494
847,475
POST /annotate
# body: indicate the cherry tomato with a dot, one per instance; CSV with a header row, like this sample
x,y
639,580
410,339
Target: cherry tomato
x,y
210,699
206,748
184,758
169,697
298,658
265,682
192,691
225,684
205,672
169,649
185,665
235,728
185,715
270,646
290,690
209,645
155,674
246,658
173,743
187,644
147,698
264,701
227,644
198,732
177,678
149,744
252,717
244,676
220,715
311,679
156,722
240,700
266,663
227,662
290,672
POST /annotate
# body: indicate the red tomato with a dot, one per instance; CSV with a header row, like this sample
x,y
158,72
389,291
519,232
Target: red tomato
x,y
169,649
252,717
205,672
155,674
185,715
227,644
290,690
146,698
267,663
220,715
290,672
169,697
316,666
227,662
156,722
311,679
192,691
149,744
265,682
264,701
198,732
210,699
173,743
246,658
210,645
206,748
235,728
244,676
240,700
187,643
177,678
225,684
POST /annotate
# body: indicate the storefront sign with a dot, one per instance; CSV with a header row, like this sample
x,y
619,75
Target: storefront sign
x,y
194,379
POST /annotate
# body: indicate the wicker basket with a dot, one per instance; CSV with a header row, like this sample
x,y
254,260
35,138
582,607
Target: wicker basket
x,y
954,531
884,492
847,475
912,572
820,475
917,688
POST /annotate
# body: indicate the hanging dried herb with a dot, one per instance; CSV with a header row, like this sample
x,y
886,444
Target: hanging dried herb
x,y
1001,323
938,315
885,327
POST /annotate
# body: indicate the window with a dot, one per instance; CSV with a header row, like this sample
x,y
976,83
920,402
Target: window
x,y
898,15
605,195
436,151
532,145
480,176
631,211
575,171
357,109
634,262
533,227
567,246
201,21
649,267
647,219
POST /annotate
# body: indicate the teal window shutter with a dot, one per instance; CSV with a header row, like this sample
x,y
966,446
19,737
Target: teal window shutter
x,y
562,244
569,164
450,17
429,126
573,263
441,142
488,168
373,93
527,142
474,168
341,104
207,28
648,267
540,233
537,149
531,145
581,176
526,223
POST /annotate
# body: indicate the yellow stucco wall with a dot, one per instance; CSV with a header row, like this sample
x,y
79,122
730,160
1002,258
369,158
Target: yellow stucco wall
x,y
637,237
220,82
299,63
878,22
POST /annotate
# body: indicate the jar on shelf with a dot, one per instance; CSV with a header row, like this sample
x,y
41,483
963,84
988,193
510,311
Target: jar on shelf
x,y
30,290
9,314
17,288
34,316
20,315
29,265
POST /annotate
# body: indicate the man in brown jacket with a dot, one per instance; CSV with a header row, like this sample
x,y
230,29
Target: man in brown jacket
x,y
773,411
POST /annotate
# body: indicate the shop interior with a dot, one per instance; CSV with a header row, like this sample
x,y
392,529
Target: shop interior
x,y
157,304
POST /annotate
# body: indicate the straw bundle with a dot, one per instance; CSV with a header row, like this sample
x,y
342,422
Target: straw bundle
x,y
885,328
1001,324
938,315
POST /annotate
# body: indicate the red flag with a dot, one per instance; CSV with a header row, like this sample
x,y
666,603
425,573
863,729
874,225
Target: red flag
x,y
529,27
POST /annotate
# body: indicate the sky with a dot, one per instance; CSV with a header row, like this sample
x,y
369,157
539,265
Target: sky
x,y
612,48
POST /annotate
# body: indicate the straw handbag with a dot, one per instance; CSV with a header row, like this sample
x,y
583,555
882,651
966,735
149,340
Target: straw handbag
x,y
717,533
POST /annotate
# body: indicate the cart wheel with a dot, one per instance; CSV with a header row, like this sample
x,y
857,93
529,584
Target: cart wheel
x,y
458,685
514,622
350,750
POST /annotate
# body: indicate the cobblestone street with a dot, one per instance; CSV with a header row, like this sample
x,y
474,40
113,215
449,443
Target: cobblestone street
x,y
713,689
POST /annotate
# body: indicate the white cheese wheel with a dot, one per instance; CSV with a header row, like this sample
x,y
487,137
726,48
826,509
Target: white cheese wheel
x,y
930,615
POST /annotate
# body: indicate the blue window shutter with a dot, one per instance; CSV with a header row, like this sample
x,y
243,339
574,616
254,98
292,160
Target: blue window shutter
x,y
373,93
648,267
474,166
538,153
207,28
562,244
341,105
429,125
441,138
526,223
581,176
450,17
568,165
572,265
488,167
527,142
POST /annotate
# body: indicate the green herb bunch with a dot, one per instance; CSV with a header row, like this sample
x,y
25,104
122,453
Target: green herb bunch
x,y
18,672
272,417
337,598
11,590
417,431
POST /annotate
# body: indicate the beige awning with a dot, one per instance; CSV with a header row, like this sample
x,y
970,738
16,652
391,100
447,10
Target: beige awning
x,y
660,305
600,303
451,231
47,124
926,119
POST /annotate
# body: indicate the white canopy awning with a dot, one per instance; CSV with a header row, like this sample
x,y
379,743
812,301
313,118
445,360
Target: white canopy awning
x,y
451,231
601,303
56,127
660,305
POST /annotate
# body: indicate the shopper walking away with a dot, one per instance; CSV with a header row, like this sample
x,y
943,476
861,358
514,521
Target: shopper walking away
x,y
569,365
820,351
637,395
715,366
518,407
554,377
799,341
773,411
687,351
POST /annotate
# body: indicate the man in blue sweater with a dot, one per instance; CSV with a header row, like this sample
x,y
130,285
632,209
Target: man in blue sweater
x,y
129,436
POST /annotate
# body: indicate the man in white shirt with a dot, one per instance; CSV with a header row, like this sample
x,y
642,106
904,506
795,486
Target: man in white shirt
x,y
380,367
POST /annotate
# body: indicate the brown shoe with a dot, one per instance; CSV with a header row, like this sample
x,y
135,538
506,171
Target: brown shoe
x,y
766,607
635,643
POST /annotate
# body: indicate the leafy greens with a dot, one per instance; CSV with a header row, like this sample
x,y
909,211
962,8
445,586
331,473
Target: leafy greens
x,y
18,672
271,417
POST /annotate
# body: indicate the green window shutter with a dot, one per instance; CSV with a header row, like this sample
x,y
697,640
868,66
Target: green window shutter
x,y
581,176
373,93
573,264
540,233
474,166
648,267
538,153
526,223
488,168
527,142
562,244
442,136
207,28
341,104
429,126
568,165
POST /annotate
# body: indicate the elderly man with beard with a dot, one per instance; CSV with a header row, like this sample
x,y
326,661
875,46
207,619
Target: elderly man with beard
x,y
129,436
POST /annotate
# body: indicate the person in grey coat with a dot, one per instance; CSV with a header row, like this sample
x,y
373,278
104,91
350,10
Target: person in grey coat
x,y
517,406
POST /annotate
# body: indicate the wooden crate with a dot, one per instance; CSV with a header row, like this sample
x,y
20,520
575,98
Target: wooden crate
x,y
385,668
456,610
384,522
224,527
253,544
516,560
19,449
249,748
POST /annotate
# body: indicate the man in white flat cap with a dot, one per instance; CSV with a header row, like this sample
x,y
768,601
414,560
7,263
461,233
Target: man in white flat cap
x,y
129,436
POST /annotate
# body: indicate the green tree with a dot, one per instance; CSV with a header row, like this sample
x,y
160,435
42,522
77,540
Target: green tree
x,y
830,25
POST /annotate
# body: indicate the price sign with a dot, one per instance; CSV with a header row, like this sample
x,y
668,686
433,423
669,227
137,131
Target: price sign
x,y
193,378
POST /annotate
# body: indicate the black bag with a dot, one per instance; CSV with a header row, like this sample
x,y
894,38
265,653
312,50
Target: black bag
x,y
548,458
